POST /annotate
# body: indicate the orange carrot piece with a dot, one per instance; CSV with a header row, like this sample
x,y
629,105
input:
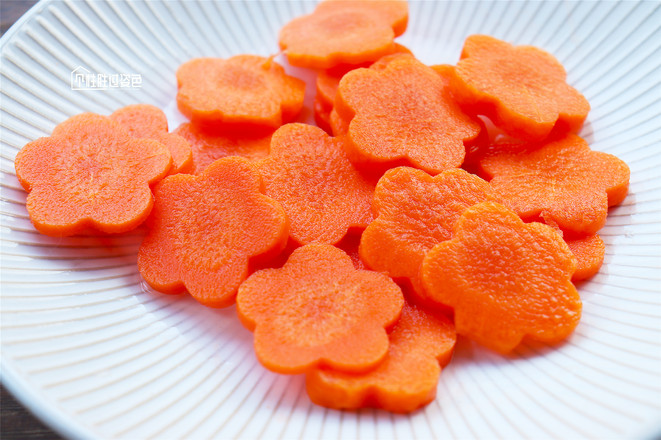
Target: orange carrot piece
x,y
209,147
504,278
323,195
318,310
572,184
322,115
204,230
402,113
522,89
349,244
414,213
405,381
147,121
244,90
90,175
343,32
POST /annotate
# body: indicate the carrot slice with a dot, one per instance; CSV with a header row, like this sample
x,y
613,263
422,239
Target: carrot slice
x,y
414,213
318,310
147,121
402,113
408,377
522,89
323,195
204,230
342,32
244,90
504,278
208,147
572,184
322,113
90,175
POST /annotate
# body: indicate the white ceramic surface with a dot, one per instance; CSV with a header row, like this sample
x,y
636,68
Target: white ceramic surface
x,y
96,354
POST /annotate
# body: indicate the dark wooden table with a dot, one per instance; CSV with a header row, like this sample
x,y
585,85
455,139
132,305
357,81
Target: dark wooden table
x,y
16,423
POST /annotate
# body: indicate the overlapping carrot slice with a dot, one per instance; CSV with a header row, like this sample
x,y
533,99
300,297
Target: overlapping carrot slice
x,y
522,89
505,279
204,230
309,173
571,184
344,32
414,213
244,90
90,175
207,147
147,121
402,114
408,377
318,310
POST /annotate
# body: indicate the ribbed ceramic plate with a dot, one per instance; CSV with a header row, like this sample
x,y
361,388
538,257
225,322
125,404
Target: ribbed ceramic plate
x,y
96,354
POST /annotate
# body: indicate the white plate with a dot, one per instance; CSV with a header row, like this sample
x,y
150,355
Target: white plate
x,y
95,354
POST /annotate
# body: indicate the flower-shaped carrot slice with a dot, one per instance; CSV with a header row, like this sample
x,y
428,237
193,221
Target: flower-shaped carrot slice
x,y
147,121
402,113
408,377
204,230
504,278
318,310
414,213
571,184
245,90
522,89
90,175
343,32
208,147
322,193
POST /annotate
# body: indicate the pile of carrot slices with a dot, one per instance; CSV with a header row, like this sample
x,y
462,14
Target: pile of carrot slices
x,y
428,202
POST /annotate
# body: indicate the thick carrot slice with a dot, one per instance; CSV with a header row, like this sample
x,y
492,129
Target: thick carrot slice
x,y
414,213
147,121
323,195
244,90
318,310
563,178
342,32
408,377
90,175
504,278
402,113
204,230
209,147
522,89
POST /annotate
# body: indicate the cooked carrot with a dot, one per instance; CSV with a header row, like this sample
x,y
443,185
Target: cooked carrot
x,y
208,147
343,32
522,89
408,377
402,113
414,213
244,91
563,178
323,195
204,230
147,121
89,176
318,310
505,279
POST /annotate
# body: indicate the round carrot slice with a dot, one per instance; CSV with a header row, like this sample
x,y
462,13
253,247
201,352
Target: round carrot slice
x,y
90,176
204,230
505,279
318,310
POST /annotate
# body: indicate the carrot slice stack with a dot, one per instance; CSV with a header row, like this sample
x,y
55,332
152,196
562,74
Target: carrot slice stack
x,y
505,279
90,176
205,229
522,89
318,310
408,377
